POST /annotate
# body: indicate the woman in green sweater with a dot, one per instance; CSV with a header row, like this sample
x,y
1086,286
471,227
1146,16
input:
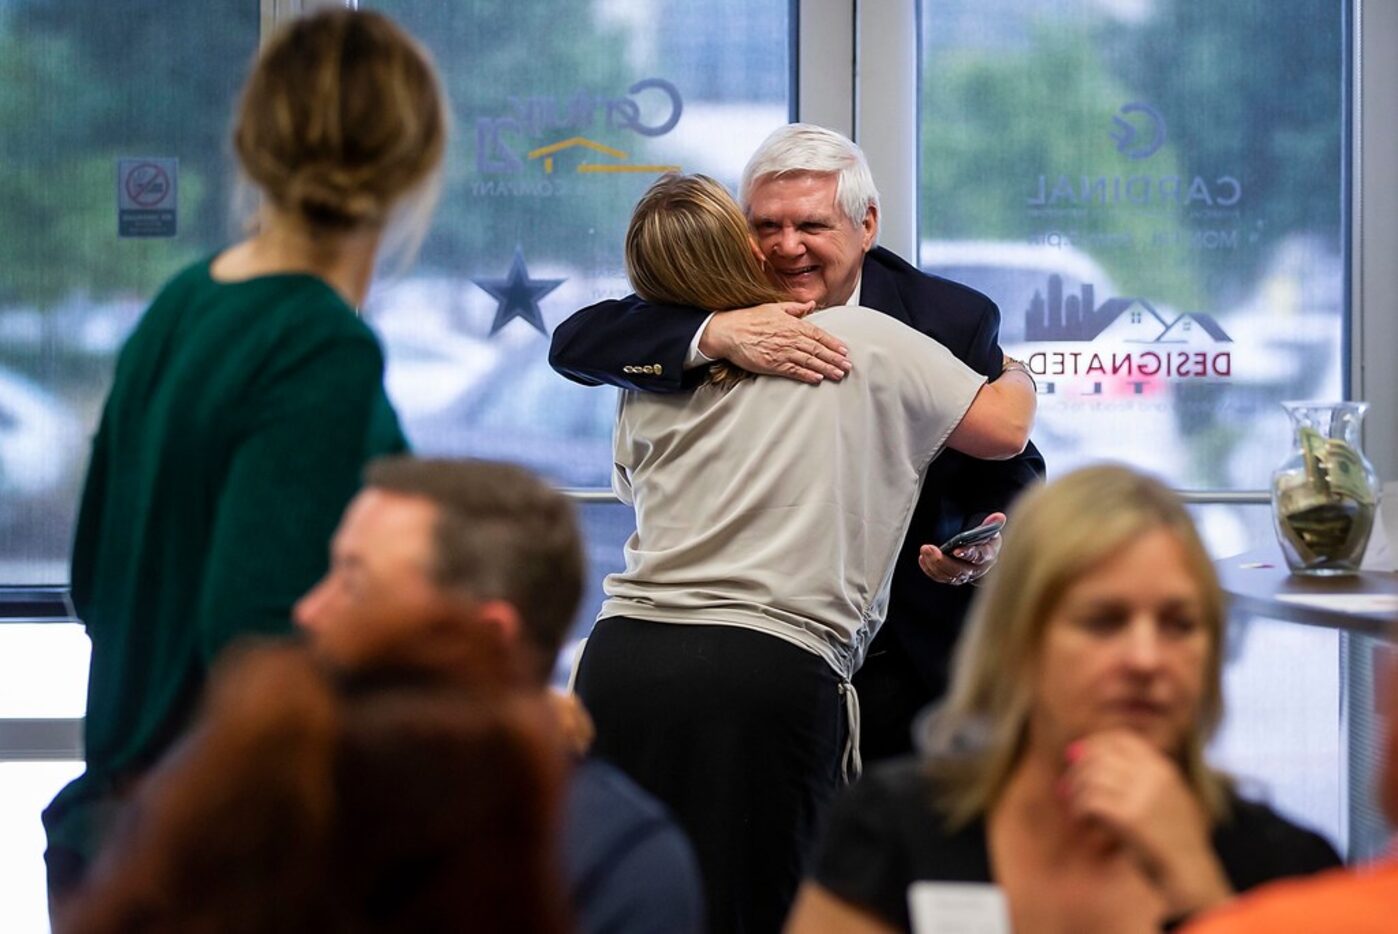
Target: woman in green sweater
x,y
245,404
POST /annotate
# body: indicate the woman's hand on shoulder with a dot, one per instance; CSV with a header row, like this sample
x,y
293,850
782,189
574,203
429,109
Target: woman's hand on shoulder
x,y
1120,781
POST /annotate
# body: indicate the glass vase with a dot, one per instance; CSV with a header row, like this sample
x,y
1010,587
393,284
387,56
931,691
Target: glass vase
x,y
1325,493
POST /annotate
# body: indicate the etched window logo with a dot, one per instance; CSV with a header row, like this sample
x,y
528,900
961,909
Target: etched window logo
x,y
1140,138
560,121
1063,317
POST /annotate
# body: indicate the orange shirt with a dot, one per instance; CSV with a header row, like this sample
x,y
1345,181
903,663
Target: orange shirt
x,y
1353,901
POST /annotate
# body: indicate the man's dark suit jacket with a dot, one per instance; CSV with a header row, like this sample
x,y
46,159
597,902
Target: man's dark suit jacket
x,y
635,345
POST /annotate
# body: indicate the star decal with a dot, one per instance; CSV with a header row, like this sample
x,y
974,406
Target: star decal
x,y
518,294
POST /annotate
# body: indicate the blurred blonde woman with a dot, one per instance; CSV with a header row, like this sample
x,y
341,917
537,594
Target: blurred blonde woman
x,y
245,403
768,517
1067,764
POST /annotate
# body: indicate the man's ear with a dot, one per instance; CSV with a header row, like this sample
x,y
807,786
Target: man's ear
x,y
757,251
869,231
502,616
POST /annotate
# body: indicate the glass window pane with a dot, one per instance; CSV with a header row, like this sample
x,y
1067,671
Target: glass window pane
x,y
1229,530
43,670
562,120
25,790
1281,735
1152,192
606,527
87,84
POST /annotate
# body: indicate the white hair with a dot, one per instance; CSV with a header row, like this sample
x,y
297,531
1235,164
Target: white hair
x,y
806,148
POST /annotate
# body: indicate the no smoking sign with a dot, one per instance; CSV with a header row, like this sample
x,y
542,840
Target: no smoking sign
x,y
147,197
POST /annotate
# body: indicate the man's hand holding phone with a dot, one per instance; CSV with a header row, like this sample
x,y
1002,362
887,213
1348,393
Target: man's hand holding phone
x,y
966,556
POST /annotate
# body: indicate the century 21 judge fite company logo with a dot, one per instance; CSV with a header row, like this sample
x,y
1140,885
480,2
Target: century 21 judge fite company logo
x,y
521,151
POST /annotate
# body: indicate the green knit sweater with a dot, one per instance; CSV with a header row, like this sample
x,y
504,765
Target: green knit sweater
x,y
239,422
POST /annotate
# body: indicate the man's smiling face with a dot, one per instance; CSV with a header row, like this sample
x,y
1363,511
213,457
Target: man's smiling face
x,y
812,249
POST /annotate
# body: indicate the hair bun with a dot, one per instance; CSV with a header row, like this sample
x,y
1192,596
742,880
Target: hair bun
x,y
342,116
332,196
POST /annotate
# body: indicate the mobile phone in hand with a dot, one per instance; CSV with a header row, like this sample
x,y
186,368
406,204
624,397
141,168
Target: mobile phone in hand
x,y
975,536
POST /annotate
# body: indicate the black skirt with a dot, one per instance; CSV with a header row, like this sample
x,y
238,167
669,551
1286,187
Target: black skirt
x,y
739,733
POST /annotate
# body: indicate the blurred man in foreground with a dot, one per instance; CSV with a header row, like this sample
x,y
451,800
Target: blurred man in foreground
x,y
432,545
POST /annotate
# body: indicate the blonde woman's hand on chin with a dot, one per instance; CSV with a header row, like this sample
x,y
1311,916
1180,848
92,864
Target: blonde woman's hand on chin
x,y
1119,781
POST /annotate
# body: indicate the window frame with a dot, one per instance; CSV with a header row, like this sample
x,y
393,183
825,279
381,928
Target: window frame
x,y
874,100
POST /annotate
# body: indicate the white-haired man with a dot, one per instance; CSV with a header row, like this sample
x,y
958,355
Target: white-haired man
x,y
814,212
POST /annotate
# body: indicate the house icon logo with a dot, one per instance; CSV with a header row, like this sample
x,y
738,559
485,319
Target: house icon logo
x,y
1078,318
616,156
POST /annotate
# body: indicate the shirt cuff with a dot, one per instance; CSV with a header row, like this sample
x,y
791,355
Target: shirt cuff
x,y
696,357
